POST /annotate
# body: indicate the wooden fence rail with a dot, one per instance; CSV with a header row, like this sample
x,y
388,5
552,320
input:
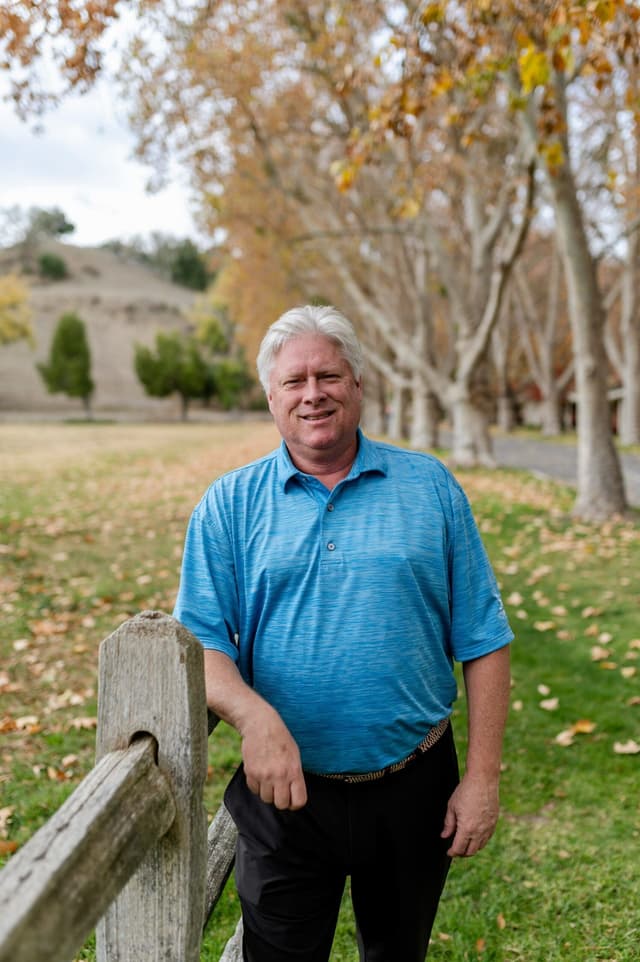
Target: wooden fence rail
x,y
128,853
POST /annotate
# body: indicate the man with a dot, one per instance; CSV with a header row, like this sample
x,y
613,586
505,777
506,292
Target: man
x,y
332,583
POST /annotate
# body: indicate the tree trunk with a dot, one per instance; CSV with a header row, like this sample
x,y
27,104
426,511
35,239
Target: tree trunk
x,y
425,415
550,414
506,416
471,441
396,419
600,482
373,404
629,425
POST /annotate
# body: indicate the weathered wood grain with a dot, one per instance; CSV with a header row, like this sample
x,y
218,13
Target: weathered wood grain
x,y
151,679
233,948
220,857
55,888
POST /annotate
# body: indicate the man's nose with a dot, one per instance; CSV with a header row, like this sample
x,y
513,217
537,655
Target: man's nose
x,y
314,390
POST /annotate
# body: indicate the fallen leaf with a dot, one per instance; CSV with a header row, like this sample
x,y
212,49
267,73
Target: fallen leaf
x,y
544,690
550,704
501,921
598,653
79,723
7,848
608,665
628,672
480,946
583,727
565,738
5,818
626,748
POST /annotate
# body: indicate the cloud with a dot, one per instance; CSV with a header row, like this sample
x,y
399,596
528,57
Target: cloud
x,y
82,161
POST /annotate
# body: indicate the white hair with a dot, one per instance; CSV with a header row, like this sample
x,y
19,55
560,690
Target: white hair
x,y
310,319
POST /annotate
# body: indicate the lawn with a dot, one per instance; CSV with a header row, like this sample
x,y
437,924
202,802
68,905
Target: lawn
x,y
92,519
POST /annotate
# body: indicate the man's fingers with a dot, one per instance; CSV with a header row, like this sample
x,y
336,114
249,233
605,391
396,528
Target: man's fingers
x,y
283,794
298,793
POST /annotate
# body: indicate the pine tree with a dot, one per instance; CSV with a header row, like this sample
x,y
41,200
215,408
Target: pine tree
x,y
68,370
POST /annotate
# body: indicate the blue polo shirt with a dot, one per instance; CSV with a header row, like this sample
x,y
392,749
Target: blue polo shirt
x,y
343,609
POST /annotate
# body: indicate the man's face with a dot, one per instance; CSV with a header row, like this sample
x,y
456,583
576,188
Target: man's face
x,y
314,398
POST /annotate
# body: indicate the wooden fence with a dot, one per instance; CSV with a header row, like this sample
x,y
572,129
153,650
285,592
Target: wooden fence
x,y
128,853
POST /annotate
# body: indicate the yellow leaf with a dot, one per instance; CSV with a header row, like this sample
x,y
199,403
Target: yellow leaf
x,y
534,68
432,13
628,672
407,209
553,155
583,727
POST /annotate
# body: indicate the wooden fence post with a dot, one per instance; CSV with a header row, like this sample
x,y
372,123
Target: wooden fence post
x,y
151,680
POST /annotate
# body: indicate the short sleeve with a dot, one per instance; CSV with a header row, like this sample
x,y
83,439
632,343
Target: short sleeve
x,y
479,623
207,602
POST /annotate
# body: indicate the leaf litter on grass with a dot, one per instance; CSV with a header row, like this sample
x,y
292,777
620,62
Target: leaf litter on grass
x,y
88,541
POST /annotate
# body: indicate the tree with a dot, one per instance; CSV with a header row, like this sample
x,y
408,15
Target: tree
x,y
67,36
68,370
176,366
229,378
48,221
15,314
188,267
546,59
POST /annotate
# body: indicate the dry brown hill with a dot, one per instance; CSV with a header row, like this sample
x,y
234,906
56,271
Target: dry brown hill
x,y
121,302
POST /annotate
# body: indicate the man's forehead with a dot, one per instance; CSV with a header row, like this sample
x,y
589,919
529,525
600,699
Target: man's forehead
x,y
305,350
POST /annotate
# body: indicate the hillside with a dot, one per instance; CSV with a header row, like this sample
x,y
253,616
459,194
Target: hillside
x,y
121,303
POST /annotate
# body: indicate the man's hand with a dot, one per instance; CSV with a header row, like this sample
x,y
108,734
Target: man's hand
x,y
472,814
269,752
272,761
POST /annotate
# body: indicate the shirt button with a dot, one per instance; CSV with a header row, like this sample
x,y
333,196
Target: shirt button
x,y
330,507
331,546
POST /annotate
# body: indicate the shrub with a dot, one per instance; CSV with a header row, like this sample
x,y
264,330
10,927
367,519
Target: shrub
x,y
53,267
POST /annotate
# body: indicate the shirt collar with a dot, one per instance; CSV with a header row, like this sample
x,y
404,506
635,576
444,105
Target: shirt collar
x,y
369,459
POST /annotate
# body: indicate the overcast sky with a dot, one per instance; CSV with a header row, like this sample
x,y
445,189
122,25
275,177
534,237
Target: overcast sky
x,y
82,163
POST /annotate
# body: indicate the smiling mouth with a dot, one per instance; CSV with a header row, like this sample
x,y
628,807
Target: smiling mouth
x,y
320,416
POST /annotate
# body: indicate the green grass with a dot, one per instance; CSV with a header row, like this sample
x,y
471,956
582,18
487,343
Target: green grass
x,y
92,519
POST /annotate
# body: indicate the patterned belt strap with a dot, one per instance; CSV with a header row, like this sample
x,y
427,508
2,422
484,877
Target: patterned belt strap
x,y
354,778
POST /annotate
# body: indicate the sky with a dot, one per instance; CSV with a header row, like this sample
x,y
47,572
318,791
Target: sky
x,y
83,163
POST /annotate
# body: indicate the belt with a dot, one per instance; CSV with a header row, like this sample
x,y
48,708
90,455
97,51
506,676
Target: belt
x,y
354,778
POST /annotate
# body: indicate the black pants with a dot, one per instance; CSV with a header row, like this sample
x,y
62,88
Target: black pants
x,y
291,867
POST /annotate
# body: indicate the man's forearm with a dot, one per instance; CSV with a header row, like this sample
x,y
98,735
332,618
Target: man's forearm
x,y
473,808
269,752
488,684
228,695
